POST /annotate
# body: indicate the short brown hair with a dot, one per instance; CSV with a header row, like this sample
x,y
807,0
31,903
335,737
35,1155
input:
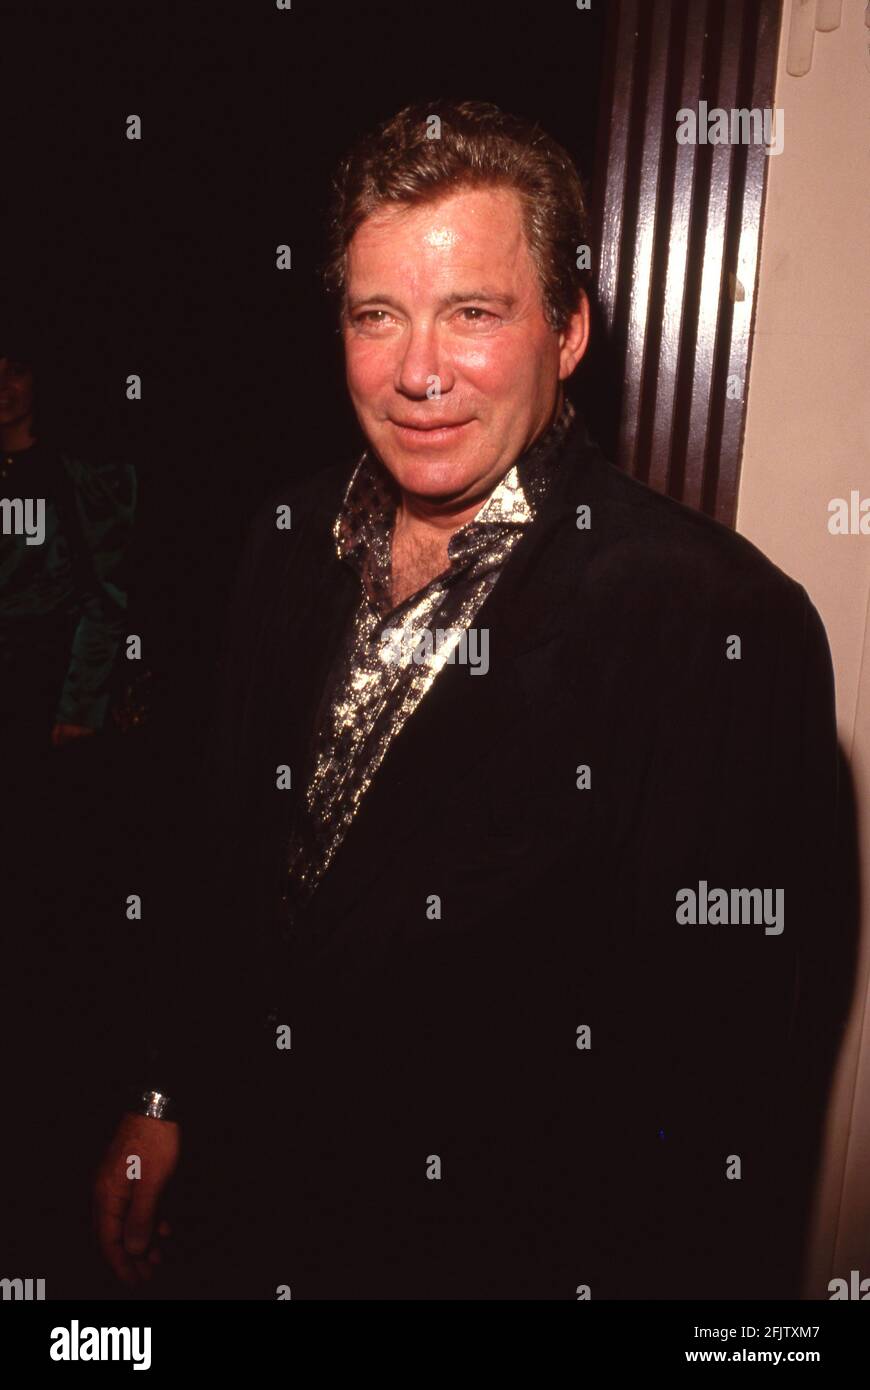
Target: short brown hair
x,y
478,145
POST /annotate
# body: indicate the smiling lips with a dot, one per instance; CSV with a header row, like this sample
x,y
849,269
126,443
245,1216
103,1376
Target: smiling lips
x,y
431,435
428,436
428,428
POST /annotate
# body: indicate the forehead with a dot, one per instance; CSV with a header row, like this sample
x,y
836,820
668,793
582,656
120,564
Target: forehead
x,y
476,232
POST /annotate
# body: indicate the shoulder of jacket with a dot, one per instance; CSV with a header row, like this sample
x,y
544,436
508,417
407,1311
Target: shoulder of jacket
x,y
299,504
682,556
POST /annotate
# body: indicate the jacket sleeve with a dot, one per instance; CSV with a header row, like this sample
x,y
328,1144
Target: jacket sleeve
x,y
188,1046
744,796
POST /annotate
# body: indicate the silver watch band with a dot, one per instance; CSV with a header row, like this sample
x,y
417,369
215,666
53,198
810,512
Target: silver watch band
x,y
155,1105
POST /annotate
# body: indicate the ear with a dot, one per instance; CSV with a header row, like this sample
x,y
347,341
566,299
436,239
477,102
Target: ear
x,y
574,338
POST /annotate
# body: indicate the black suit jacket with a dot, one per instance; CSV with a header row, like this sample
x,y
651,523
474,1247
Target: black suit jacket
x,y
420,1039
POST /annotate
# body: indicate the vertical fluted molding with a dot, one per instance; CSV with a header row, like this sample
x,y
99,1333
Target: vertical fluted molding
x,y
678,231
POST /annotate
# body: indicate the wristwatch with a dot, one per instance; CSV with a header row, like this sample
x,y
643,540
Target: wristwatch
x,y
155,1105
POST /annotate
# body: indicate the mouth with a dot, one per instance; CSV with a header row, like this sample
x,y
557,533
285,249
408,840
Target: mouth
x,y
429,434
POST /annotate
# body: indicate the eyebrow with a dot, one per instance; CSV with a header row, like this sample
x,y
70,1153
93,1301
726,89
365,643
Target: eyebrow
x,y
483,296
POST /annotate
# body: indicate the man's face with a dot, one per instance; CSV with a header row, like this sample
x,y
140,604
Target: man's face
x,y
446,297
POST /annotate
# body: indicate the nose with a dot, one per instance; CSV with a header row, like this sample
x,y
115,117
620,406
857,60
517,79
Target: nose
x,y
423,365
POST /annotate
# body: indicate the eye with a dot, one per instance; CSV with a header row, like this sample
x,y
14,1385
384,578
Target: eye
x,y
368,315
475,309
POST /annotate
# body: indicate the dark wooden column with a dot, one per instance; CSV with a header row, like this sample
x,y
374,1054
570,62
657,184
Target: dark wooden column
x,y
678,230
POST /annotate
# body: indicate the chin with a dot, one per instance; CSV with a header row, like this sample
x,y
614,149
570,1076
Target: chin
x,y
430,478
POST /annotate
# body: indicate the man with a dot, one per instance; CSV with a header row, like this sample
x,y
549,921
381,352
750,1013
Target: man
x,y
522,788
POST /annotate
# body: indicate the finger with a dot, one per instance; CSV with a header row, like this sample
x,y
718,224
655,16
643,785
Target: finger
x,y
110,1209
139,1225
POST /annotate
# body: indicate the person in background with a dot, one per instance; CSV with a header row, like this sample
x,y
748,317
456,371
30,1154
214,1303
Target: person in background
x,y
62,601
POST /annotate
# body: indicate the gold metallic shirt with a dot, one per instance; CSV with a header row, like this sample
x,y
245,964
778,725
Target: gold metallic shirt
x,y
391,656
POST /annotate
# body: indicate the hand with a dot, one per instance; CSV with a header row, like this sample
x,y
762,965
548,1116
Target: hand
x,y
125,1209
68,733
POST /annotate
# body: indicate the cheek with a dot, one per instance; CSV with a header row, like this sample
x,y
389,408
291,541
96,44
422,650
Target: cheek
x,y
369,368
496,364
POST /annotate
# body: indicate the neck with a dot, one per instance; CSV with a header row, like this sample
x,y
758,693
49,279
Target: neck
x,y
414,513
